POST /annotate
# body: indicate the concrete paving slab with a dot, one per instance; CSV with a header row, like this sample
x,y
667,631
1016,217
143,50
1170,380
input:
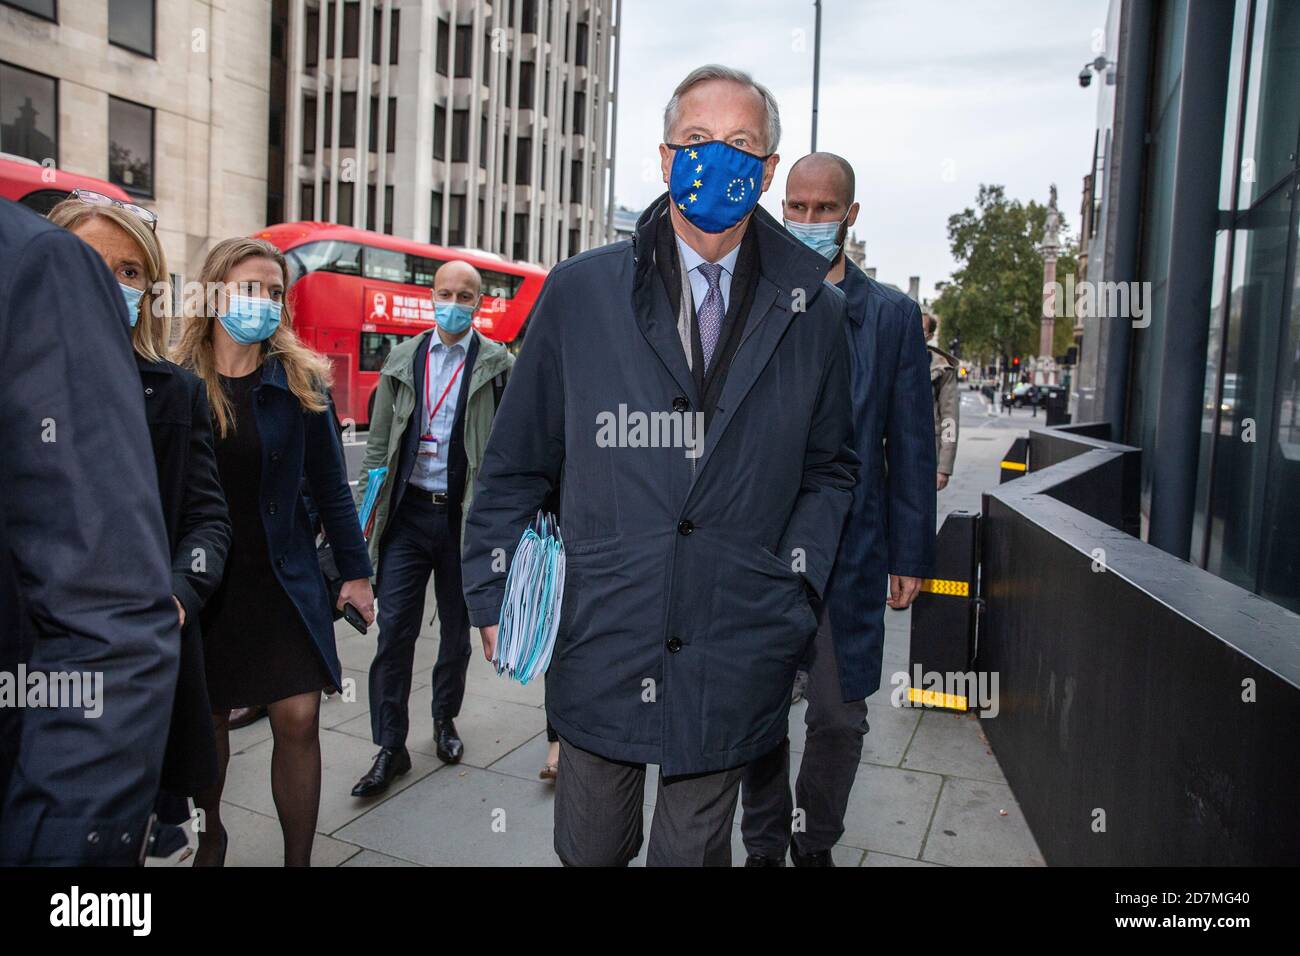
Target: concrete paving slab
x,y
980,824
953,745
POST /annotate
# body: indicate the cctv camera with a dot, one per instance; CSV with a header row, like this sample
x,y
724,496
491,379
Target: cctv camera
x,y
1085,77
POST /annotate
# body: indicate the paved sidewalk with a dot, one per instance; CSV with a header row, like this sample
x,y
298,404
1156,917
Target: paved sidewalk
x,y
928,791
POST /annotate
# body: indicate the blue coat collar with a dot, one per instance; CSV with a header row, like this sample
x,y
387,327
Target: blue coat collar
x,y
856,287
273,373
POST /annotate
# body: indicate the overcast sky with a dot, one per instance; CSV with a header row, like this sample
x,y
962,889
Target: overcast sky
x,y
926,98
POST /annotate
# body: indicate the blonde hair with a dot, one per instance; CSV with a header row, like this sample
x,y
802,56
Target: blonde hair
x,y
152,329
307,371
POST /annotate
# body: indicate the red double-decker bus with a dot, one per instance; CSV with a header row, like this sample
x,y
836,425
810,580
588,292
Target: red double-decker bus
x,y
355,294
41,188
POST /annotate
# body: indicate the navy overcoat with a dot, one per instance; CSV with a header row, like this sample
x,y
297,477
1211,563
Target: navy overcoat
x,y
686,602
890,529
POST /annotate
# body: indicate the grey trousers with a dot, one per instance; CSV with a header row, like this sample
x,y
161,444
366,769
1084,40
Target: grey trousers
x,y
599,812
830,763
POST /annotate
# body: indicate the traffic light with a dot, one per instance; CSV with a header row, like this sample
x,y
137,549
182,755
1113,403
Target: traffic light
x,y
1015,361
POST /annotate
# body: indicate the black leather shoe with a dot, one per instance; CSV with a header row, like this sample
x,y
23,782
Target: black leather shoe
x,y
450,749
811,859
389,764
758,859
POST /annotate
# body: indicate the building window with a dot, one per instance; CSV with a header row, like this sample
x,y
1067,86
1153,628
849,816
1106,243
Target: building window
x,y
579,112
351,28
575,181
130,146
45,9
307,201
580,54
388,209
348,121
435,217
443,55
524,161
344,213
575,241
464,49
482,142
311,42
390,133
131,25
520,245
377,36
439,132
456,222
459,136
29,114
309,126
526,85
529,24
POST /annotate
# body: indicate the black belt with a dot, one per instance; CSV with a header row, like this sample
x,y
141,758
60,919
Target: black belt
x,y
432,497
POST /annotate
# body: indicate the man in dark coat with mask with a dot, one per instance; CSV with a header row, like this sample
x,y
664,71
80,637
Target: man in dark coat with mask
x,y
85,567
688,393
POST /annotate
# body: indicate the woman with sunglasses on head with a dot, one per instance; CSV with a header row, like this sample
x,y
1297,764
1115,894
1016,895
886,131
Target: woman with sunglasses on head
x,y
194,508
270,627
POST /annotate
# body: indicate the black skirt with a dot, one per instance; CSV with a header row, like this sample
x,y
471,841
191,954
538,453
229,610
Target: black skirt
x,y
257,649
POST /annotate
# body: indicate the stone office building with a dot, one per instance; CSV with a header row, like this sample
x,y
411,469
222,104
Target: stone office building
x,y
460,122
169,100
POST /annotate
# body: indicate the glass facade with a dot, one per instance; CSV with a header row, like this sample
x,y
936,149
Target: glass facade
x,y
1247,509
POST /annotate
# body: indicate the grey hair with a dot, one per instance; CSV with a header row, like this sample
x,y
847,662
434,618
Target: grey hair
x,y
713,71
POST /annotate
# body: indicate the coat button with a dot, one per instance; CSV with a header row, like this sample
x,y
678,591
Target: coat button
x,y
93,838
273,507
275,457
261,399
685,527
674,644
279,562
680,404
148,391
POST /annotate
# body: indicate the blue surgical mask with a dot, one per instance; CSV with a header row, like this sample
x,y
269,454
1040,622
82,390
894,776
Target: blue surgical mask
x,y
820,237
452,317
251,319
714,185
132,297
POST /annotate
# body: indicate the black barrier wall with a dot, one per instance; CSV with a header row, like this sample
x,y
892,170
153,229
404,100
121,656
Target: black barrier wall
x,y
1149,710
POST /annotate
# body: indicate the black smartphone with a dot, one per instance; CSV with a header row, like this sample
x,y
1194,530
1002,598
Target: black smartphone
x,y
353,617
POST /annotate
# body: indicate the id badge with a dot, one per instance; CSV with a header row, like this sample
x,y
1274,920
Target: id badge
x,y
429,447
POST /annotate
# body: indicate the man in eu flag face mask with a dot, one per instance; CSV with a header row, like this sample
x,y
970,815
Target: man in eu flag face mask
x,y
691,565
889,534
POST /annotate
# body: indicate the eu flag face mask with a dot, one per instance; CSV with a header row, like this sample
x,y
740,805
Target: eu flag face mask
x,y
714,185
452,317
820,237
251,319
132,296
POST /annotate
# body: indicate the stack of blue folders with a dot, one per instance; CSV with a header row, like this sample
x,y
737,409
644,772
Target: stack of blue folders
x,y
374,485
530,611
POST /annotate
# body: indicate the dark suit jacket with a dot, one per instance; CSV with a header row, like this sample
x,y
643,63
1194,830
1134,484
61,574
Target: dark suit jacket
x,y
85,567
457,463
890,528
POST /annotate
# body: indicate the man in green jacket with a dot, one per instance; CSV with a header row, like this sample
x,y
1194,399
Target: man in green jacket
x,y
433,410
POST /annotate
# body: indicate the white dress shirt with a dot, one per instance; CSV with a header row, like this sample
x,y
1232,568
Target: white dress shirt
x,y
430,472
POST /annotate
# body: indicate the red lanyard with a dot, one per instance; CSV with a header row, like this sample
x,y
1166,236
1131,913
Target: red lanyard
x,y
428,380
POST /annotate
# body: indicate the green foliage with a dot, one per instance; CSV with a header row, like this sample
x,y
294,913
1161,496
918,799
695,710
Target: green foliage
x,y
994,301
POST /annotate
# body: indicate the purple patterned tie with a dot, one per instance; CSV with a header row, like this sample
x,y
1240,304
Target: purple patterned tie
x,y
709,314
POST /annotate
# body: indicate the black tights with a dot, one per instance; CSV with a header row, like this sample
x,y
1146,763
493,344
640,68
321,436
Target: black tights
x,y
295,779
